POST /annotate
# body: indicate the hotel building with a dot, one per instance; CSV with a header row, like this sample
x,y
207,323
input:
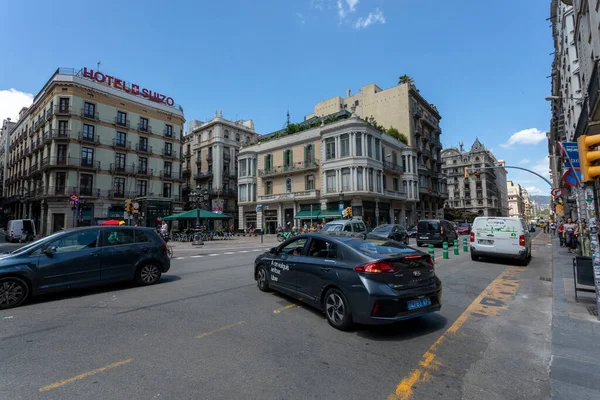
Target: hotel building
x,y
97,138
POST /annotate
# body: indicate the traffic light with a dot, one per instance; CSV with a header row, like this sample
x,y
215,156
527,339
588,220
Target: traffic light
x,y
348,212
476,173
126,208
129,206
589,157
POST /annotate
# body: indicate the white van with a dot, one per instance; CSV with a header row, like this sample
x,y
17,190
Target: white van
x,y
501,237
20,230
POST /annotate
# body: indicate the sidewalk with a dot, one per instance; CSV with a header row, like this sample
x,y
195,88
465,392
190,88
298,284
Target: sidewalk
x,y
575,363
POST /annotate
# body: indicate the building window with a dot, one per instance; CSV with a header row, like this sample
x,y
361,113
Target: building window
x,y
268,162
87,157
396,185
243,192
63,105
378,181
210,185
143,124
416,191
143,165
167,169
167,190
121,118
370,179
86,184
226,134
309,182
89,110
309,155
243,168
394,158
359,144
288,160
377,149
330,149
168,149
288,185
404,187
119,162
169,130
237,137
120,138
269,187
143,144
344,145
346,182
61,181
404,163
369,146
331,184
88,132
142,188
63,128
359,179
119,187
61,154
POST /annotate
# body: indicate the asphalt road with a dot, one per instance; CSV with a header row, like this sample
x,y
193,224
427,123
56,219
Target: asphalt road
x,y
206,332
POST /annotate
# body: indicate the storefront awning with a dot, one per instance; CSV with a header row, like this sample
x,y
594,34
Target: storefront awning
x,y
328,214
306,214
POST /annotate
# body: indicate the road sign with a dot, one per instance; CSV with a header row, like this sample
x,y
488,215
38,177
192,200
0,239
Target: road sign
x,y
341,207
569,177
136,205
556,192
74,197
570,148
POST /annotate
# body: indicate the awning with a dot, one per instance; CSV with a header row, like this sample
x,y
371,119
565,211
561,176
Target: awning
x,y
193,214
306,214
335,214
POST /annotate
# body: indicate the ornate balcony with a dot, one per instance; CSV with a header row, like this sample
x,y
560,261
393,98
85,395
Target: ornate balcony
x,y
391,167
85,138
304,195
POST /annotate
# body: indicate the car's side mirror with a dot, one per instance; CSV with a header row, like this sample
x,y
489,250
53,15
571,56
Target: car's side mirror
x,y
273,250
50,250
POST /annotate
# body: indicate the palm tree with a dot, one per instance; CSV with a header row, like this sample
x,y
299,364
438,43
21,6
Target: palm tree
x,y
405,79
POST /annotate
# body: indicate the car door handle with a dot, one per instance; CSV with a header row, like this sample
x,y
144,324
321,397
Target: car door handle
x,y
325,269
94,254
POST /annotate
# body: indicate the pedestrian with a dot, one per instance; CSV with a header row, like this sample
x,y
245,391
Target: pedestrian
x,y
561,233
570,239
583,235
553,227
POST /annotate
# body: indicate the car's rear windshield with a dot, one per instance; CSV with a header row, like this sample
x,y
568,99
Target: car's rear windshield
x,y
498,225
383,228
463,225
428,226
377,247
332,228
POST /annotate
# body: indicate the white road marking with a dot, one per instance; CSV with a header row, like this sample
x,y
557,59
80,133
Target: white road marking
x,y
244,251
212,255
197,256
229,252
257,250
180,258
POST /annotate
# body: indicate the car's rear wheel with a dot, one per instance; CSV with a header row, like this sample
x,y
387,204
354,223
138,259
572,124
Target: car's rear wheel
x,y
13,292
261,279
148,274
337,310
419,244
474,257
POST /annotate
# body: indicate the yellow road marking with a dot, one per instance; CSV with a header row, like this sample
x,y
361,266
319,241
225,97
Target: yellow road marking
x,y
284,308
490,302
205,334
84,375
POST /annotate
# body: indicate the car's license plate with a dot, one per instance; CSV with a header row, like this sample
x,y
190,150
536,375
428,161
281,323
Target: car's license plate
x,y
423,237
483,241
419,303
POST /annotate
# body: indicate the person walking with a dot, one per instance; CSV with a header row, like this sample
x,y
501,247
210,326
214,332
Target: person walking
x,y
570,238
561,233
553,228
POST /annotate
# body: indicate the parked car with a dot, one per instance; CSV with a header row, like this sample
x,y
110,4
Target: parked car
x,y
346,227
351,280
412,231
20,230
501,237
435,231
82,257
390,231
463,228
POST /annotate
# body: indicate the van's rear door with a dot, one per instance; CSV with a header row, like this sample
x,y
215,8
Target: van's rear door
x,y
429,230
500,235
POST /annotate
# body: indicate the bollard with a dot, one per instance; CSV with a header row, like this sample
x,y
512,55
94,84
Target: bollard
x,y
465,246
445,252
456,247
431,252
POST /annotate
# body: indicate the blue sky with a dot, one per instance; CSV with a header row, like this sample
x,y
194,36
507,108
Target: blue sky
x,y
482,63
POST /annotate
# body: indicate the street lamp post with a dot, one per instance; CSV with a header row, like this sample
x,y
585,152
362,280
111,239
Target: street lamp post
x,y
196,200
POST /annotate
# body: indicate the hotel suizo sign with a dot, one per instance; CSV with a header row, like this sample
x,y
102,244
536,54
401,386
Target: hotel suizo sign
x,y
127,87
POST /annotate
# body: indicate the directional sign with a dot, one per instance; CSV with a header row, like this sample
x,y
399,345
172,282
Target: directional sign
x,y
570,149
569,177
259,208
556,192
73,197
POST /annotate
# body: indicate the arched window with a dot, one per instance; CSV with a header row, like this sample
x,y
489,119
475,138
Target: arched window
x,y
226,134
288,185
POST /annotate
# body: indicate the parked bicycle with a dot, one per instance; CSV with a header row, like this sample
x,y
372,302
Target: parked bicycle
x,y
283,236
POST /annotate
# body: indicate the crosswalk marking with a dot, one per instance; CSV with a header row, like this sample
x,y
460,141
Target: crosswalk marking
x,y
197,256
217,254
229,252
212,255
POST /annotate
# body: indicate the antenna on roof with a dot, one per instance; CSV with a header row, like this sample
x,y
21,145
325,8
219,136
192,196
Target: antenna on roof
x,y
98,66
287,123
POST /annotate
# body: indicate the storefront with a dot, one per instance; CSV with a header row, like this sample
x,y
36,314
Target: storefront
x,y
369,214
270,217
384,213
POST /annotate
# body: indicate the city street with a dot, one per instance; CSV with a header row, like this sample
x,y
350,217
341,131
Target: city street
x,y
206,332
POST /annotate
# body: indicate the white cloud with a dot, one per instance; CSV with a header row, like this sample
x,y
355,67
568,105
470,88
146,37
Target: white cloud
x,y
524,161
372,18
542,167
534,190
526,136
301,18
346,7
11,102
318,4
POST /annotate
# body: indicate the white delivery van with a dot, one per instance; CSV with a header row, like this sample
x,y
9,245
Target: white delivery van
x,y
20,230
501,237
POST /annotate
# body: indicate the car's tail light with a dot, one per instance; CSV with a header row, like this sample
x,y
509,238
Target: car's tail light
x,y
441,227
472,237
375,308
522,240
379,267
164,246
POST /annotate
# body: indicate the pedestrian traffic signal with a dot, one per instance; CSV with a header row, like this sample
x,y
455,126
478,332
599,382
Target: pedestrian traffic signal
x,y
589,157
476,173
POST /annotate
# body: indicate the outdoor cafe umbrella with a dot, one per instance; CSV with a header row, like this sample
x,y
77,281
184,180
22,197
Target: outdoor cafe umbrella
x,y
193,214
113,222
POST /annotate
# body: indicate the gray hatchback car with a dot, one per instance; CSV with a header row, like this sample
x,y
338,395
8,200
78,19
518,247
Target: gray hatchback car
x,y
82,257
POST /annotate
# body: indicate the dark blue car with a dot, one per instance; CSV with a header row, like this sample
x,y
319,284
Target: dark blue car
x,y
82,257
372,281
